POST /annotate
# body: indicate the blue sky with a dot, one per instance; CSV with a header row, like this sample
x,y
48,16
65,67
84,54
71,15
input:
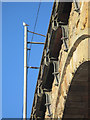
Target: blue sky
x,y
13,15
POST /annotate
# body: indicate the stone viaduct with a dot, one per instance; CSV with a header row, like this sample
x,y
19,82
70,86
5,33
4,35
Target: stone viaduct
x,y
62,89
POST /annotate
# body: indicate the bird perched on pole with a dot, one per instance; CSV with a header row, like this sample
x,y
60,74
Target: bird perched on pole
x,y
24,24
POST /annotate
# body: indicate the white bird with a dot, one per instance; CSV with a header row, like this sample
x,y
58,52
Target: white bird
x,y
24,24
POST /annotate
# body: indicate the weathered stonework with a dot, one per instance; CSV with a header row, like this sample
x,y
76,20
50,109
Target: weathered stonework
x,y
68,87
69,61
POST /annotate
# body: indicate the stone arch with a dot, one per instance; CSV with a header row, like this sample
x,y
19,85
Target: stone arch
x,y
76,105
76,57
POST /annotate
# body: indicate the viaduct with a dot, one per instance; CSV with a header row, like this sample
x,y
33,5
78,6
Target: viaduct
x,y
62,89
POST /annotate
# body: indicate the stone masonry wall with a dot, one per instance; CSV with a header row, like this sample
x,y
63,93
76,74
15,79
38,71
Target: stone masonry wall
x,y
78,43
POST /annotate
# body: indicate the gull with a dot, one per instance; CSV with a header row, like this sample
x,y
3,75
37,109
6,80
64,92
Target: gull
x,y
24,24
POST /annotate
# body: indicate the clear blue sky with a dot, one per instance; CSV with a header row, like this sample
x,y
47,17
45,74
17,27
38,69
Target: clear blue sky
x,y
13,15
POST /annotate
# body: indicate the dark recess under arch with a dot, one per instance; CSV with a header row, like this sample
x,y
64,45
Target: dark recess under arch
x,y
77,103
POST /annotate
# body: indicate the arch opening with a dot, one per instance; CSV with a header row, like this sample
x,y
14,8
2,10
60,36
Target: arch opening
x,y
77,102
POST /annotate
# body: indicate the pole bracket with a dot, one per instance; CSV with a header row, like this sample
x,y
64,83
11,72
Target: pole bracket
x,y
46,90
50,115
64,38
55,73
76,5
35,42
33,67
62,23
53,59
47,104
28,49
36,33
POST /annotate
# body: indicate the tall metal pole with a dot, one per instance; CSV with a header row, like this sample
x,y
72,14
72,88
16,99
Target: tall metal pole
x,y
25,73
